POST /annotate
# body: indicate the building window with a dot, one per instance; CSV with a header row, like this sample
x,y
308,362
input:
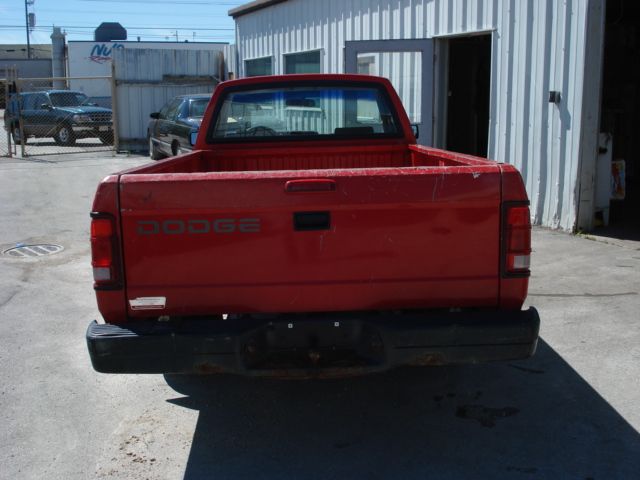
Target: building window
x,y
306,62
258,66
366,65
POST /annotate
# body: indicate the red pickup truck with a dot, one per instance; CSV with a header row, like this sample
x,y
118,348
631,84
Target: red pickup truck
x,y
308,234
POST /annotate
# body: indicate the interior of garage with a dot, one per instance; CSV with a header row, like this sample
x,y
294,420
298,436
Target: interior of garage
x,y
620,121
469,81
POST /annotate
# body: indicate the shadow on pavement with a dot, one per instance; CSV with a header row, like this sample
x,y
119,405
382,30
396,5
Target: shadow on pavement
x,y
626,231
86,144
624,220
39,148
532,419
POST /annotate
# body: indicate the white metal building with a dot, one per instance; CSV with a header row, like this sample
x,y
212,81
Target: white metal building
x,y
90,58
519,81
93,59
146,79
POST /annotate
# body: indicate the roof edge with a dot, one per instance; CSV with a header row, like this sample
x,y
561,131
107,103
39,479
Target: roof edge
x,y
252,7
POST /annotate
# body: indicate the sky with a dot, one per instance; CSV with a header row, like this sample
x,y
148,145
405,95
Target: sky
x,y
151,20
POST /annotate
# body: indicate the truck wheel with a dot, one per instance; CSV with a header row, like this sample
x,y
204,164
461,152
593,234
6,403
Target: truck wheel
x,y
153,152
64,136
17,135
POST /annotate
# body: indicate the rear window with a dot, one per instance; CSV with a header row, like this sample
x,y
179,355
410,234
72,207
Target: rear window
x,y
317,111
68,99
198,106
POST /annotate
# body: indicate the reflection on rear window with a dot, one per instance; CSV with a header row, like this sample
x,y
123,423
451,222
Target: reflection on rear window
x,y
330,111
197,107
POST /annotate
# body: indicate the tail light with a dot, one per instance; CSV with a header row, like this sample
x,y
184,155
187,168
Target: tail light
x,y
516,239
104,251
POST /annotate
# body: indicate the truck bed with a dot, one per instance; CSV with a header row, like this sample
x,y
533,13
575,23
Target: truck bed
x,y
348,228
312,157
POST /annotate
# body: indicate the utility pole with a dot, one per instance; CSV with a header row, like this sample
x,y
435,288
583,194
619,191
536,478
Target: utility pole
x,y
26,20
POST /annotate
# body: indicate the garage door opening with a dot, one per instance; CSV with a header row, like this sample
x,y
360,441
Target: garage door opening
x,y
469,81
618,162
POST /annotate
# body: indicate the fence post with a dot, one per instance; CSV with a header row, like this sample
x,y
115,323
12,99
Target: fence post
x,y
114,108
23,136
8,79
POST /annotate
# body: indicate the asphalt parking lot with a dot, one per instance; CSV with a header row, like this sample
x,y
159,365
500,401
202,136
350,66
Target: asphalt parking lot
x,y
572,411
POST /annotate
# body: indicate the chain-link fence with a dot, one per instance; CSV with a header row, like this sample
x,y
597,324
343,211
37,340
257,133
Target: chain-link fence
x,y
5,141
7,86
59,115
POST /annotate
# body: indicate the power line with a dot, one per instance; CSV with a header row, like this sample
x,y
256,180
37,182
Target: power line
x,y
171,2
22,47
170,32
172,27
155,14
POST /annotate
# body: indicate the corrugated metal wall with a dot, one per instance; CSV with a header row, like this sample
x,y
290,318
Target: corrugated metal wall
x,y
230,61
146,79
537,46
34,68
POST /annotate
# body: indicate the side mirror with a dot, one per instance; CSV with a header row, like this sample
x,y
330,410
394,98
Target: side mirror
x,y
155,115
416,130
46,106
193,137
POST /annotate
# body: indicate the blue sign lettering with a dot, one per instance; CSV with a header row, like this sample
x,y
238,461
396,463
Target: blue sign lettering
x,y
101,53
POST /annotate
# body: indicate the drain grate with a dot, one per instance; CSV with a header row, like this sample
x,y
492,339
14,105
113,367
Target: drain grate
x,y
29,251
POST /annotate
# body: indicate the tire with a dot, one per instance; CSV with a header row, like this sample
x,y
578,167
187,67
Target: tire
x,y
64,136
153,152
16,135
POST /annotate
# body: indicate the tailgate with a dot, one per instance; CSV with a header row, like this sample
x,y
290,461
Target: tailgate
x,y
313,240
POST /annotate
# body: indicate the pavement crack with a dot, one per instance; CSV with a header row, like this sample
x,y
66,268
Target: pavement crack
x,y
487,417
585,295
4,303
526,369
527,470
38,160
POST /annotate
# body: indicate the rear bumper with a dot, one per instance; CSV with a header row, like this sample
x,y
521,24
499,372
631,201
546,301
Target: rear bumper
x,y
313,345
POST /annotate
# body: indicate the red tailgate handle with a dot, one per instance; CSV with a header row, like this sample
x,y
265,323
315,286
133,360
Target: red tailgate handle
x,y
310,185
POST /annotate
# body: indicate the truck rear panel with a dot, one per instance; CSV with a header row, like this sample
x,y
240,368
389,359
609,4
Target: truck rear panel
x,y
335,239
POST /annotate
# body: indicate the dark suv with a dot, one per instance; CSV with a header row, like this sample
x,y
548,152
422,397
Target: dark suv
x,y
65,115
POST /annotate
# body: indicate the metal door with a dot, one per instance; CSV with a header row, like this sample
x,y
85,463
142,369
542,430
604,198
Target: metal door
x,y
408,64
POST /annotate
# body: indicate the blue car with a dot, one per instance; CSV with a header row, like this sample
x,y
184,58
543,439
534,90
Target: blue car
x,y
169,130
